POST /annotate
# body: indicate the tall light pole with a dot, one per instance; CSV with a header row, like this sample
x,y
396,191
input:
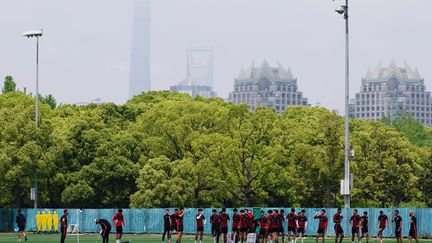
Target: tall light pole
x,y
37,34
347,187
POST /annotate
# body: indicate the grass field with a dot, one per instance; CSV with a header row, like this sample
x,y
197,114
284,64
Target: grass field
x,y
92,238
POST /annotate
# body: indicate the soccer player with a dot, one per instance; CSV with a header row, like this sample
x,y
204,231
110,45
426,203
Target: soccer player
x,y
21,224
63,225
223,221
200,221
179,222
274,224
337,220
250,221
263,224
106,229
215,226
243,225
173,221
382,224
302,224
322,226
118,220
292,225
355,222
281,223
397,219
365,227
167,225
413,227
235,226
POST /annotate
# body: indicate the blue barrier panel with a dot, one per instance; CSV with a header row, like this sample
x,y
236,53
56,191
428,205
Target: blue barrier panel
x,y
151,220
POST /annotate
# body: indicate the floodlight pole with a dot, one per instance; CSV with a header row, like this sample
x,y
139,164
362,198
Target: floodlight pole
x,y
37,34
347,145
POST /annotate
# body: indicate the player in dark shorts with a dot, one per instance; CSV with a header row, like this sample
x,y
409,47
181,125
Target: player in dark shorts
x,y
173,222
365,227
200,221
337,220
242,225
63,225
322,225
270,227
20,221
382,225
292,225
397,219
118,220
413,227
302,224
215,226
273,226
223,221
106,229
179,222
263,224
250,221
355,222
281,223
167,226
235,227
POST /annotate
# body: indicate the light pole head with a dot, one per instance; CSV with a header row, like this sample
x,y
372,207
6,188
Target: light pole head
x,y
341,9
33,33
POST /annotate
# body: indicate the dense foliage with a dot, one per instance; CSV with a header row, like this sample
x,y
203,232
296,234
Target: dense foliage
x,y
165,149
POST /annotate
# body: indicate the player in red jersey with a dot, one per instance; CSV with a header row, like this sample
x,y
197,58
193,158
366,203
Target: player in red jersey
x,y
382,225
302,224
292,225
263,224
243,225
250,221
280,224
355,222
273,226
322,226
118,220
179,222
173,223
200,221
365,227
215,226
235,226
413,227
337,219
64,225
223,221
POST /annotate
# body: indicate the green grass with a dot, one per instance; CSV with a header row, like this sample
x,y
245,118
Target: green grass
x,y
92,238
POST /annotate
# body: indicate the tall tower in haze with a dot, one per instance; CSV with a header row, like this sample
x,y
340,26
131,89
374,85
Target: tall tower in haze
x,y
139,79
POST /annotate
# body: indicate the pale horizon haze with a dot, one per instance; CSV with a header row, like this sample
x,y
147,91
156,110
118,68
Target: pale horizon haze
x,y
85,50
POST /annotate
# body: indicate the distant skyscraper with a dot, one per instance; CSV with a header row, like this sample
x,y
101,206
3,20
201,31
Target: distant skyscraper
x,y
199,69
386,91
139,79
200,65
267,86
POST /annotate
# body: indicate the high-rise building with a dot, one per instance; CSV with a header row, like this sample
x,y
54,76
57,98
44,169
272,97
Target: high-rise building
x,y
200,65
140,65
199,69
387,91
267,86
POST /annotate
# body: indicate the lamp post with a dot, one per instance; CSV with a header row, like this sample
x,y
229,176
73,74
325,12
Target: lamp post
x,y
343,10
36,34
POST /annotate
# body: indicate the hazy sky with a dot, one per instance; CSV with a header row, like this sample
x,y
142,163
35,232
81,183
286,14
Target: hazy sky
x,y
85,49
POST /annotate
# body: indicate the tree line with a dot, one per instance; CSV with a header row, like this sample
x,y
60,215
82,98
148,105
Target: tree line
x,y
165,149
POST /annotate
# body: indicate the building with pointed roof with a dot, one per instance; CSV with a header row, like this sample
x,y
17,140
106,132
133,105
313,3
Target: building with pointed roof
x,y
267,86
387,91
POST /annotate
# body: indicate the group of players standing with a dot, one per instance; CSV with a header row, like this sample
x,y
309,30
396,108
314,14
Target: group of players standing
x,y
272,225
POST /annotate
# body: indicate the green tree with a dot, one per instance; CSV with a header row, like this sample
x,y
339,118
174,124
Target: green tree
x,y
9,85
